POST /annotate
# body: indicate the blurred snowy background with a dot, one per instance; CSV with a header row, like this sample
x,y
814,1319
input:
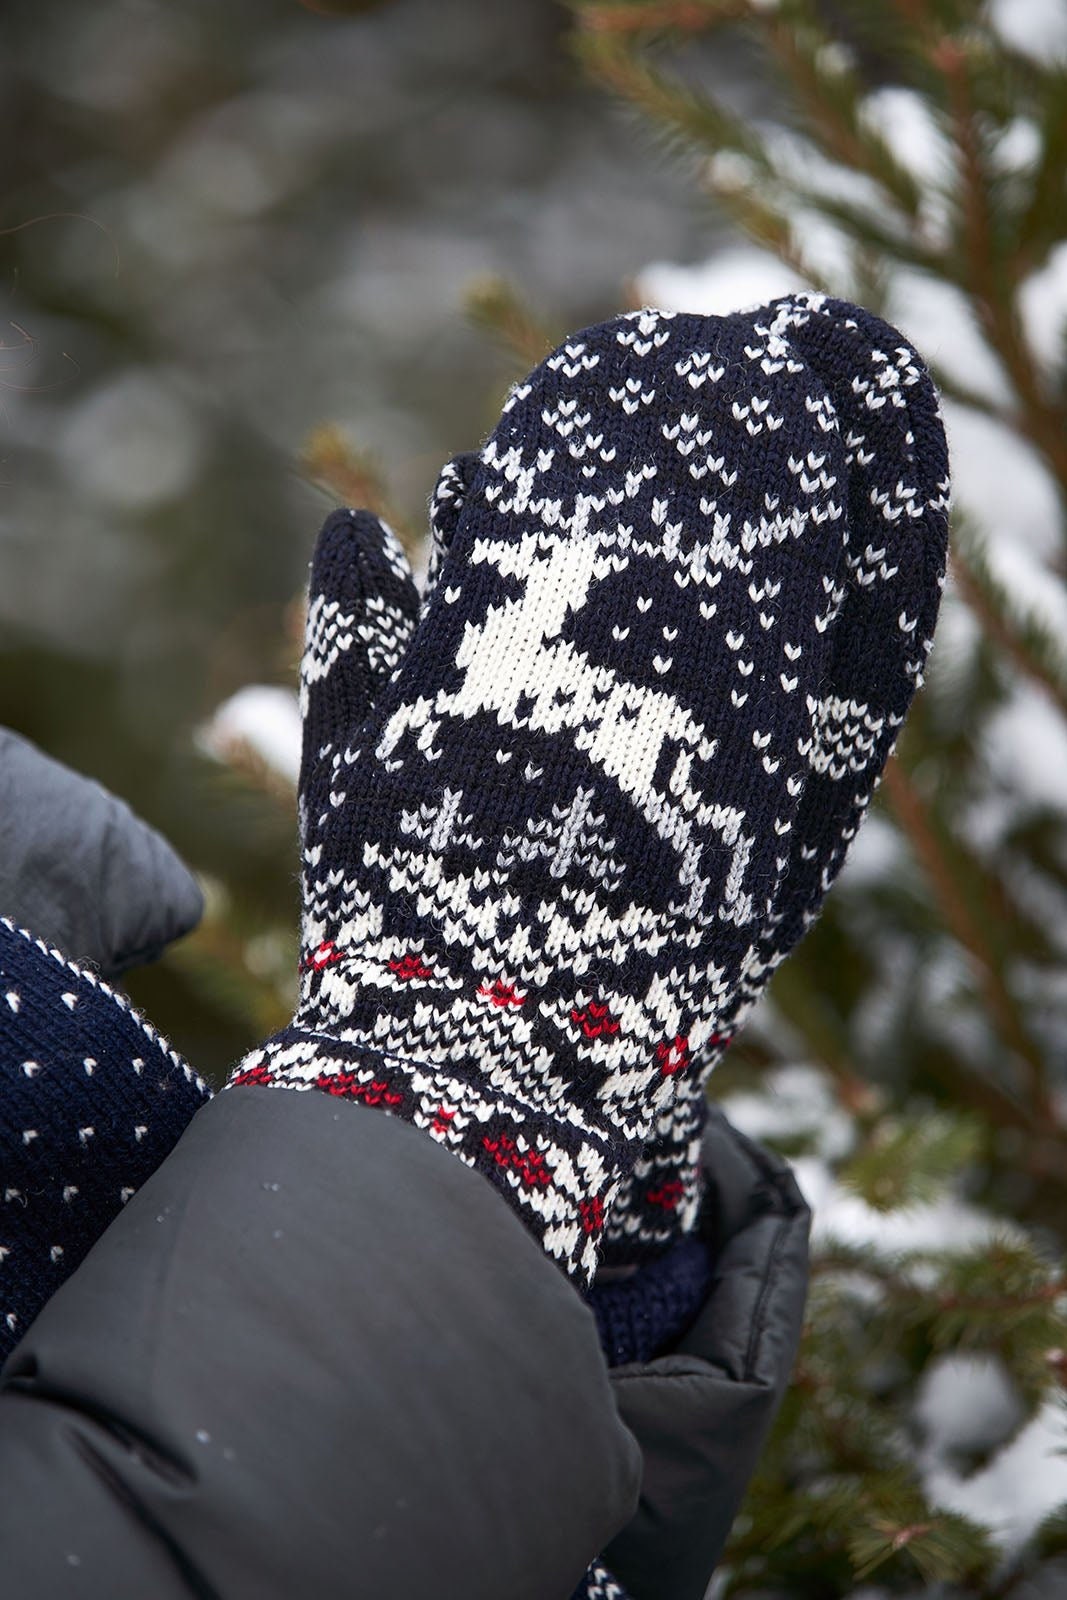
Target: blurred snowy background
x,y
222,226
226,226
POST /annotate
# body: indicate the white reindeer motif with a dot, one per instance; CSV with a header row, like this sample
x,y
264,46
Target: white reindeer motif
x,y
516,653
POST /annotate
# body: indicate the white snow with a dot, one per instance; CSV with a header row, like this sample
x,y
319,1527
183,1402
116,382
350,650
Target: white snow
x,y
1024,745
958,636
877,852
966,1402
1002,486
937,317
1036,28
943,994
943,1224
908,128
1018,146
794,1100
803,166
1031,589
731,281
1043,310
825,250
1018,1488
728,171
262,718
1001,483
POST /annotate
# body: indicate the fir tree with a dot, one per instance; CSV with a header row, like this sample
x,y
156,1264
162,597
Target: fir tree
x,y
915,154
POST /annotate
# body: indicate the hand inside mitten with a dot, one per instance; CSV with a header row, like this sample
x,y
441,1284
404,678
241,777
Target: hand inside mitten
x,y
544,876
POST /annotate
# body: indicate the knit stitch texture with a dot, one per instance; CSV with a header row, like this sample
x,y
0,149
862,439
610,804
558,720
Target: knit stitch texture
x,y
896,495
92,1099
640,1317
548,873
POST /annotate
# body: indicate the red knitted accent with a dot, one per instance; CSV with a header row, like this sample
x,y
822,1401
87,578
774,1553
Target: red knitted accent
x,y
668,1195
595,1020
530,1166
674,1056
348,1086
326,955
501,993
260,1074
411,966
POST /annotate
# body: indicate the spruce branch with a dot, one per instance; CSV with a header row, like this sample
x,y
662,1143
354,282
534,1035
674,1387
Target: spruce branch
x,y
244,765
807,1011
915,819
693,122
985,261
756,210
839,1493
952,389
944,1546
907,1160
885,233
962,1085
649,17
1041,223
1000,1298
831,94
866,1503
1004,1277
1051,1536
988,272
214,960
1028,644
353,478
494,304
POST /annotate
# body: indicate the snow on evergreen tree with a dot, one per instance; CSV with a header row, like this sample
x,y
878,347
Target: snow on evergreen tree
x,y
911,1055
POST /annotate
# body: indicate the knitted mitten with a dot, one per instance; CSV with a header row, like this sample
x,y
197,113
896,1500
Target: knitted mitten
x,y
542,877
897,498
598,1584
91,1100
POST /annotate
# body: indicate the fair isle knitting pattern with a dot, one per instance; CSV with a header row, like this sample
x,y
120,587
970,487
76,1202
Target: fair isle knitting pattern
x,y
92,1099
545,878
660,1199
598,1584
362,612
883,637
899,502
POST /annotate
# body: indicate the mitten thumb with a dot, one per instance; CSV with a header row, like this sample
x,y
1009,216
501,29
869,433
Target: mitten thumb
x,y
362,610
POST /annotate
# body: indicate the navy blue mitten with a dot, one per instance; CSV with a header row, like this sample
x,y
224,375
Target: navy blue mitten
x,y
545,874
896,494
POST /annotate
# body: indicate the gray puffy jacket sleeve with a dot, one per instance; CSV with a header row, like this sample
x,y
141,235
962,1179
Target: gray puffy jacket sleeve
x,y
80,870
315,1355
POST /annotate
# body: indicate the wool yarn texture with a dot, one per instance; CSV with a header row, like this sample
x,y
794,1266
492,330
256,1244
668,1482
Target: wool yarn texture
x,y
897,496
92,1099
551,836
